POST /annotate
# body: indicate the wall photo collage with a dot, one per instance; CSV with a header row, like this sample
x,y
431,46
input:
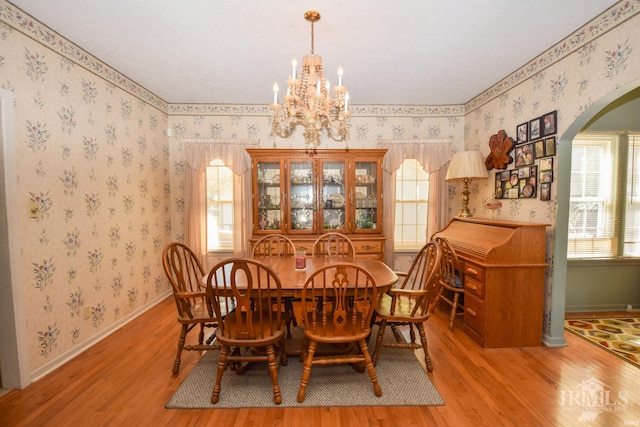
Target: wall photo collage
x,y
533,161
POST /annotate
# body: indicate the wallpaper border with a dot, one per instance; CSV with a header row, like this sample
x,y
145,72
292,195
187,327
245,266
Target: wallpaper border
x,y
606,21
29,26
611,18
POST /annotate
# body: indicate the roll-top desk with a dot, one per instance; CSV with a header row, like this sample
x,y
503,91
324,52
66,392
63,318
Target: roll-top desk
x,y
504,269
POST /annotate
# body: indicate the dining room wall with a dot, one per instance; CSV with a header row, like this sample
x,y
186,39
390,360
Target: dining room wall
x,y
369,124
570,77
92,159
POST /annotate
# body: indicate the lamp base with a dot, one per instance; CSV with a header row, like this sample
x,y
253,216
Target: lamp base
x,y
465,212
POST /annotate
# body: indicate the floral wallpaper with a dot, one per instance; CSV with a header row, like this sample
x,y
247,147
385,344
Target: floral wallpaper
x,y
569,77
108,184
93,161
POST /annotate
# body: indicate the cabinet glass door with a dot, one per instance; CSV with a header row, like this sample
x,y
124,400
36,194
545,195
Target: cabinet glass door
x,y
302,198
333,196
366,200
269,196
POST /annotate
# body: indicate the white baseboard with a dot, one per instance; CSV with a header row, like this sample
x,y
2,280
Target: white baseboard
x,y
550,341
63,358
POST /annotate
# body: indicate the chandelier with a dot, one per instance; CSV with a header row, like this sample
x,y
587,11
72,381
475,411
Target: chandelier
x,y
309,101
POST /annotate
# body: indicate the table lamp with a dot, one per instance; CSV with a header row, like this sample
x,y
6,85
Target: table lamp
x,y
465,166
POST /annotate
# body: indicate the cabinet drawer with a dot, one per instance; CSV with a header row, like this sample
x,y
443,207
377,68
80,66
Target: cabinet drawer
x,y
474,287
304,245
474,313
368,247
474,271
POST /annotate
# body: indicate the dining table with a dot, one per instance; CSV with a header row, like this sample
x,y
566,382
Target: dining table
x,y
292,279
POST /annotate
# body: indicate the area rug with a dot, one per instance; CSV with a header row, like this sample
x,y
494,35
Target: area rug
x,y
403,381
619,336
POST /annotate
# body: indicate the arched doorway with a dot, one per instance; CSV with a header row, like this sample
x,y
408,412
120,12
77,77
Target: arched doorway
x,y
558,297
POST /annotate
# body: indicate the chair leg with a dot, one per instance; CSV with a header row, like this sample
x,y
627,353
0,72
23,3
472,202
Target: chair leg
x,y
437,299
288,306
425,348
222,365
454,308
181,340
273,370
306,372
370,368
283,354
201,335
381,328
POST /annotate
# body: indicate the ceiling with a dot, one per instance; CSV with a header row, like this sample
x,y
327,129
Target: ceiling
x,y
401,52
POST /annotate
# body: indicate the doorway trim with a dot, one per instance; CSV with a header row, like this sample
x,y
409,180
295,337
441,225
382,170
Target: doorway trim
x,y
563,191
14,372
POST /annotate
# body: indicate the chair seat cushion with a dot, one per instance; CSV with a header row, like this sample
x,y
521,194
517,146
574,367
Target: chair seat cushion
x,y
403,310
458,283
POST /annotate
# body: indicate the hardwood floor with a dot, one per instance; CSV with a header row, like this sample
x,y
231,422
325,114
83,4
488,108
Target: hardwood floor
x,y
126,379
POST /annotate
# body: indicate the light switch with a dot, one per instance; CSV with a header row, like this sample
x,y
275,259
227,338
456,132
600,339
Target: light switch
x,y
33,210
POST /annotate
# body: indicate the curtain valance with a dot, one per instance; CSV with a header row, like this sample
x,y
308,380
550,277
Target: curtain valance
x,y
432,154
198,153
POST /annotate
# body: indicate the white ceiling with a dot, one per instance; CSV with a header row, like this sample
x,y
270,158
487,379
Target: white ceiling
x,y
400,52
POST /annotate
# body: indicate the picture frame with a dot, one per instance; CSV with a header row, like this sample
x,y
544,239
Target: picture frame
x,y
546,177
538,148
522,133
550,146
549,123
527,187
534,129
524,155
545,191
498,188
546,165
510,189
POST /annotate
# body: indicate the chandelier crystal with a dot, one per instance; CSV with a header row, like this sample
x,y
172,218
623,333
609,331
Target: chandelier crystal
x,y
309,101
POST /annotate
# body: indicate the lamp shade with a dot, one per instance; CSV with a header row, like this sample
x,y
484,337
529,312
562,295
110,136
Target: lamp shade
x,y
466,165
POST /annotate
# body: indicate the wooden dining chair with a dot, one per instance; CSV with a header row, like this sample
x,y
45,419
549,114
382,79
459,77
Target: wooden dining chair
x,y
257,321
329,318
185,273
408,304
273,245
450,281
333,244
276,246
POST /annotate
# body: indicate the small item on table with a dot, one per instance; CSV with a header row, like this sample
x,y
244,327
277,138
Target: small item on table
x,y
301,260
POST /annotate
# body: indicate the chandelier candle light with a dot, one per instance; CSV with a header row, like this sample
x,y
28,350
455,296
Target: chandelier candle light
x,y
465,166
309,100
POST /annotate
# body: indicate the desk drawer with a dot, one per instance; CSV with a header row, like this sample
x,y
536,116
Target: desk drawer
x,y
474,313
474,287
474,271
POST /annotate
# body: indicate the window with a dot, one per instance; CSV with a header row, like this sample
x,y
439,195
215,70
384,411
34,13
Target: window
x,y
412,202
604,206
219,207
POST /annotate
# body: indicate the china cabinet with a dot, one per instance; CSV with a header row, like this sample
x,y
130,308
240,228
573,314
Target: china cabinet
x,y
304,193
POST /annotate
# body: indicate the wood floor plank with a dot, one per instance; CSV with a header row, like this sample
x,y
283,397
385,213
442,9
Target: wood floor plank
x,y
126,380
